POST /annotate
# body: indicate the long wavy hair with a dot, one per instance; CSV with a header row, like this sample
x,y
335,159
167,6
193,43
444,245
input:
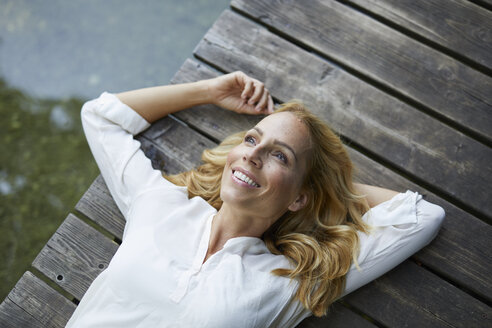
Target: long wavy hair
x,y
320,240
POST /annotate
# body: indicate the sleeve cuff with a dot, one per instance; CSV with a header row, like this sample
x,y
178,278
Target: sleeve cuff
x,y
401,209
123,115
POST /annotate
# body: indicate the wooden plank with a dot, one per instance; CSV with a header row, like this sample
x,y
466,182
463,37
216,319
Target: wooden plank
x,y
387,299
451,162
427,313
338,317
32,303
458,25
428,77
182,151
484,3
75,255
98,205
460,252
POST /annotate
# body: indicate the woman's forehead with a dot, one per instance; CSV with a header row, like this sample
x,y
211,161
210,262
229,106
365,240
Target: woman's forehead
x,y
285,127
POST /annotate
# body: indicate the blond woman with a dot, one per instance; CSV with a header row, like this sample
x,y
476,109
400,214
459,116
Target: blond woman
x,y
269,230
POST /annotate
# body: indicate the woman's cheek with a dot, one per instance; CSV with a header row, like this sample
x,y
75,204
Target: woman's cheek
x,y
232,155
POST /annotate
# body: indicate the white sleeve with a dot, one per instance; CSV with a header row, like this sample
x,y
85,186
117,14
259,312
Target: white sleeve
x,y
400,227
109,126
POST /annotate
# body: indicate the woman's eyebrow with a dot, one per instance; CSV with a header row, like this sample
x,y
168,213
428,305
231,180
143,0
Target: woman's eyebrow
x,y
283,144
277,142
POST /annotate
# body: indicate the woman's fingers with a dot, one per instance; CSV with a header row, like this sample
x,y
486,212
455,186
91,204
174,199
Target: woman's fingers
x,y
258,92
271,106
263,101
248,88
255,97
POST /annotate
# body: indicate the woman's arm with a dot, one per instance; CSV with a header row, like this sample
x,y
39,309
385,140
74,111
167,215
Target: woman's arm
x,y
235,91
400,227
375,195
110,122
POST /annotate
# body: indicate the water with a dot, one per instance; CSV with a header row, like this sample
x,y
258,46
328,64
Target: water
x,y
55,55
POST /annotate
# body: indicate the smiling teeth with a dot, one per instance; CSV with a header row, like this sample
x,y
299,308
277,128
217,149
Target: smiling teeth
x,y
245,178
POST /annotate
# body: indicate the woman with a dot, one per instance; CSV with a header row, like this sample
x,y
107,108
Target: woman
x,y
268,231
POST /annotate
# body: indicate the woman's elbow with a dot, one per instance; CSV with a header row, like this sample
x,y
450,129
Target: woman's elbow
x,y
88,107
89,114
431,217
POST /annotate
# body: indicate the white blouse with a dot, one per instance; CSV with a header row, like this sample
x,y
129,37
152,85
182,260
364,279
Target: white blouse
x,y
157,279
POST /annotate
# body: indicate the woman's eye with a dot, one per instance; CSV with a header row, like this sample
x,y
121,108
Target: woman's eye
x,y
281,157
249,139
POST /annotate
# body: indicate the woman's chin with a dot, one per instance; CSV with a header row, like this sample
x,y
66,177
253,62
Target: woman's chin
x,y
236,197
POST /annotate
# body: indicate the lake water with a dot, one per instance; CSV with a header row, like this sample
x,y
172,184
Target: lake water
x,y
55,55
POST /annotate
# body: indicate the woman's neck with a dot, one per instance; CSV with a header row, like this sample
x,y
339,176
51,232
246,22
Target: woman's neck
x,y
231,223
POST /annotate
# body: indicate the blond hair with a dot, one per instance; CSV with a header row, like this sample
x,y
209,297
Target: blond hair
x,y
320,240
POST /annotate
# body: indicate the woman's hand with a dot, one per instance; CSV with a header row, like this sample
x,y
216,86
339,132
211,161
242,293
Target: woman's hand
x,y
235,91
240,93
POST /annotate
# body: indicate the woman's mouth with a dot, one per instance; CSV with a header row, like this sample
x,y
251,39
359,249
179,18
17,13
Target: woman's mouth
x,y
244,178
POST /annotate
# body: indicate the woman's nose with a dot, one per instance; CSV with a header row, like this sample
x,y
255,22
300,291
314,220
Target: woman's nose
x,y
253,155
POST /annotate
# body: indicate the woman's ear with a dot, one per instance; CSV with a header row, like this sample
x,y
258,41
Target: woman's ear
x,y
299,203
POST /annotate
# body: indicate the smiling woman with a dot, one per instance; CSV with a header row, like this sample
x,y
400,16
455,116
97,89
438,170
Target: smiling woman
x,y
269,230
300,208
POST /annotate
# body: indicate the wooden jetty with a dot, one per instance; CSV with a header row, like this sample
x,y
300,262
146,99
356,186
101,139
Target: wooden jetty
x,y
408,86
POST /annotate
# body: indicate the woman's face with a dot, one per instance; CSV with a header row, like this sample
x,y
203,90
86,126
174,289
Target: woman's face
x,y
264,174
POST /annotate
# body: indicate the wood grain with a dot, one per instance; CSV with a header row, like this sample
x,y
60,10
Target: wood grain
x,y
98,205
32,303
428,77
75,255
484,3
388,300
182,148
457,25
338,317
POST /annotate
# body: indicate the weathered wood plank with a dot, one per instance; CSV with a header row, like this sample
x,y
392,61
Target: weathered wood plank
x,y
453,163
75,255
182,148
387,299
483,3
98,205
338,317
32,303
460,252
458,25
430,78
